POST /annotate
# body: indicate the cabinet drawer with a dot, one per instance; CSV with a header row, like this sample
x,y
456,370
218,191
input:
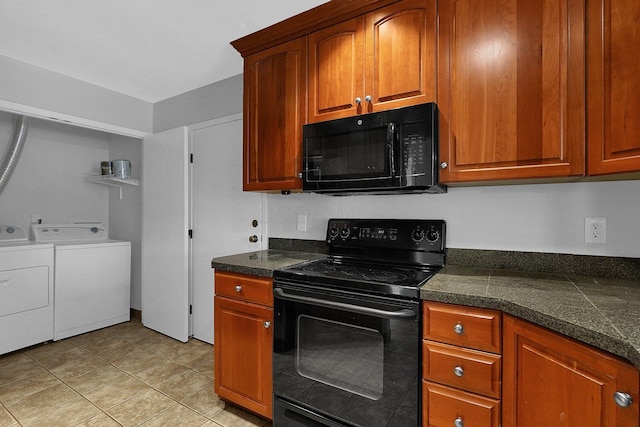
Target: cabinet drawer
x,y
246,288
470,327
471,370
441,406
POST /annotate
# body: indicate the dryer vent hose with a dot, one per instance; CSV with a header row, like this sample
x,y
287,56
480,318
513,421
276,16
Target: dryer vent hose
x,y
20,127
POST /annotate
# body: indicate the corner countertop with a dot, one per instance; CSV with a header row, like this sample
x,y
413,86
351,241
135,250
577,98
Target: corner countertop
x,y
602,312
262,263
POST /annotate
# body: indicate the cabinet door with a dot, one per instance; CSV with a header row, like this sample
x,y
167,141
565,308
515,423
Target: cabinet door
x,y
511,89
613,89
243,337
401,55
274,112
336,71
551,380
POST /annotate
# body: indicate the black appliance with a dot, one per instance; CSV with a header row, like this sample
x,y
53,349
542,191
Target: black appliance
x,y
385,152
347,328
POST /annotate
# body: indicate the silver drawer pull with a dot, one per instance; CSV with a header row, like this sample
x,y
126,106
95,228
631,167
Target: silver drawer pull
x,y
458,422
458,371
622,399
238,288
459,329
267,324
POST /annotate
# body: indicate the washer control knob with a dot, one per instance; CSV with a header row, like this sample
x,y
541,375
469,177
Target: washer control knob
x,y
345,232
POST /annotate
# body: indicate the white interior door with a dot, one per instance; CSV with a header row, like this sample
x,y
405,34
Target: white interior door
x,y
165,224
223,214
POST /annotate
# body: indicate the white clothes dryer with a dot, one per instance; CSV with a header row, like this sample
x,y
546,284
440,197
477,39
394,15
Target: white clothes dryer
x,y
26,290
92,277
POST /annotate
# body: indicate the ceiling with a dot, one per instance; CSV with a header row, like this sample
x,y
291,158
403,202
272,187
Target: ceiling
x,y
148,49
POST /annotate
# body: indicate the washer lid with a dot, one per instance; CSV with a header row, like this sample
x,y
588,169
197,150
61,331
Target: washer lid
x,y
88,232
12,233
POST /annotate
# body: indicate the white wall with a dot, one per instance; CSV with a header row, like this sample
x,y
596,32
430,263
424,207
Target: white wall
x,y
219,99
531,218
50,177
125,215
36,91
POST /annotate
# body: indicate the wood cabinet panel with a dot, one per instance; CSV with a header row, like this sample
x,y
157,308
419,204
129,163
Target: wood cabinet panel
x,y
511,89
385,58
441,406
274,112
552,380
613,88
250,289
243,354
480,328
471,370
336,62
401,55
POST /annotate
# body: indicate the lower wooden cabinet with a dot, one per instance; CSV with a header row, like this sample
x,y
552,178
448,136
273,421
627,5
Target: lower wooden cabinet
x,y
461,366
551,380
243,339
449,407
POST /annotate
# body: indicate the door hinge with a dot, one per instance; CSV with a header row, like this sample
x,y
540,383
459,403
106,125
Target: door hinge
x,y
191,234
191,158
190,309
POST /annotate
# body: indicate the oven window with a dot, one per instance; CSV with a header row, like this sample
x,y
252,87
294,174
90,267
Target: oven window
x,y
341,355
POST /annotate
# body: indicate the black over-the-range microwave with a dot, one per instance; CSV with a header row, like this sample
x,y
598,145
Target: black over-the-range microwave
x,y
376,153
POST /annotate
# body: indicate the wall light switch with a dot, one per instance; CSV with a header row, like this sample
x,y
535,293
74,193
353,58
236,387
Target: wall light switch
x,y
302,223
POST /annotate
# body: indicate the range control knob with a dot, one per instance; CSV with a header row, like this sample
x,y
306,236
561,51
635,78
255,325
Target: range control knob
x,y
345,232
433,236
417,235
333,233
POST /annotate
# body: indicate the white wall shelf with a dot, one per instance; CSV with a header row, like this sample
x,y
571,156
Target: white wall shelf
x,y
112,181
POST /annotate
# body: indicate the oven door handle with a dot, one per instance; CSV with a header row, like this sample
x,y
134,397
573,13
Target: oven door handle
x,y
400,314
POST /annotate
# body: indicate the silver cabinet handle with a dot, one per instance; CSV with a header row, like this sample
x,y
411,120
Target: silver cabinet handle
x,y
253,238
622,399
443,165
458,371
267,324
368,98
358,100
238,288
458,329
458,422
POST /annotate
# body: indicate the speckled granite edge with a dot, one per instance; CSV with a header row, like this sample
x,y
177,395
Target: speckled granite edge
x,y
599,312
298,245
586,265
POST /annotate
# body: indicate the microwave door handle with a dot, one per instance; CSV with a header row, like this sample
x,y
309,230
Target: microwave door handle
x,y
391,133
401,314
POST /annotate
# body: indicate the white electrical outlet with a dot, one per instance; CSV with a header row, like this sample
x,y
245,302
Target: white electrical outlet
x,y
595,230
302,223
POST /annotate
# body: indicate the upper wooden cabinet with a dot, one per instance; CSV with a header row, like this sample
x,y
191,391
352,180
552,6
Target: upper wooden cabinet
x,y
613,86
274,112
511,89
381,60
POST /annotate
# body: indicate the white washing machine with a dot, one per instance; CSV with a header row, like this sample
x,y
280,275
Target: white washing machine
x,y
92,277
26,290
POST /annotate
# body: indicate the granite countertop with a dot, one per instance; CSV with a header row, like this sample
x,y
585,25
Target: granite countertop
x,y
602,312
262,263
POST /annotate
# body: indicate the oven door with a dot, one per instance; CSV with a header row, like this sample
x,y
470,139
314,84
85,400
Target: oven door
x,y
344,359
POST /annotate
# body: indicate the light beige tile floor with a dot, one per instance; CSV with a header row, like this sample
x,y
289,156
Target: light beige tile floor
x,y
124,375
